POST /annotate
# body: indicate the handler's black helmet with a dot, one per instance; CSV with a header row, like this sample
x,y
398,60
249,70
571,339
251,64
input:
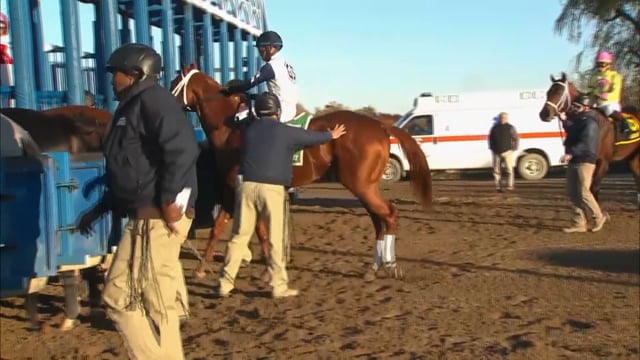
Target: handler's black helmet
x,y
269,38
267,104
135,59
582,99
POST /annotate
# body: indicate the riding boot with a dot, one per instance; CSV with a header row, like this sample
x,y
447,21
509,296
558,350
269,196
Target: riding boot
x,y
617,117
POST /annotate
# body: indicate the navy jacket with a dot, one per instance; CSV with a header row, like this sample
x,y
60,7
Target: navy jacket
x,y
503,137
583,133
150,150
269,145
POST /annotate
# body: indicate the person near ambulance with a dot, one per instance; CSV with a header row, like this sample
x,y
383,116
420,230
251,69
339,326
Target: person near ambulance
x,y
276,72
605,87
503,142
151,153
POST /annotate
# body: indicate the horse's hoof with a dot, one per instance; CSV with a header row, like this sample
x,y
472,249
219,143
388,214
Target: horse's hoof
x,y
370,275
68,324
199,273
265,276
395,271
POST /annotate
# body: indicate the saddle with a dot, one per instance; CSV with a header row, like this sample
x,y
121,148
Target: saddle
x,y
243,115
633,124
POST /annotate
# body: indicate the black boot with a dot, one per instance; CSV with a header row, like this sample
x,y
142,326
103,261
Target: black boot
x,y
617,116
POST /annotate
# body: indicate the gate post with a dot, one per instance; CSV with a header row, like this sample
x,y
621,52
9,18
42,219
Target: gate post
x,y
224,52
23,67
72,51
237,53
109,22
207,44
141,16
168,57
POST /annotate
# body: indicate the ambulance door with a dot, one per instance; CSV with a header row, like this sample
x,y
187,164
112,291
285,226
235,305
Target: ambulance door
x,y
421,128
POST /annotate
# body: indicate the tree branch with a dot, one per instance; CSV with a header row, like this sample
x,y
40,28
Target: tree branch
x,y
620,12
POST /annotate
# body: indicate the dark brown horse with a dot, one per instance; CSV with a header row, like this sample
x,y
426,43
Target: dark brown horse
x,y
74,128
359,157
611,146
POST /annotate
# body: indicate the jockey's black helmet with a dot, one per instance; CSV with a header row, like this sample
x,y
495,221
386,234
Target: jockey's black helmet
x,y
135,59
267,104
269,38
582,99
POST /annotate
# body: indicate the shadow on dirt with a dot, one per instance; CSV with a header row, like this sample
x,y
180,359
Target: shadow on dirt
x,y
625,261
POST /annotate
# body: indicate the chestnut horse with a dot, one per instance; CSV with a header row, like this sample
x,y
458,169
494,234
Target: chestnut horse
x,y
610,148
74,128
359,156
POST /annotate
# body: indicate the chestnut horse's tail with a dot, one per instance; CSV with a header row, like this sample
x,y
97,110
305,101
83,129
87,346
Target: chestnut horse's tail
x,y
419,172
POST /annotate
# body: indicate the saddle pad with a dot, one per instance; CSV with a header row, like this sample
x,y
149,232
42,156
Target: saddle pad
x,y
302,121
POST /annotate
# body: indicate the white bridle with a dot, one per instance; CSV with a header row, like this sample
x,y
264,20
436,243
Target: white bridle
x,y
182,85
564,102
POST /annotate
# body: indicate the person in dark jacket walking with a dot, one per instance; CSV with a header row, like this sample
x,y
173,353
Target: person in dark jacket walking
x,y
266,168
581,153
503,141
151,152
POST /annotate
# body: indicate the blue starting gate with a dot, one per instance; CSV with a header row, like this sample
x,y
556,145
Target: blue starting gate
x,y
218,35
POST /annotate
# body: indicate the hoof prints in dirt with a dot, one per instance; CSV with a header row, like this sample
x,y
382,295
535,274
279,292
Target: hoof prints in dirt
x,y
477,290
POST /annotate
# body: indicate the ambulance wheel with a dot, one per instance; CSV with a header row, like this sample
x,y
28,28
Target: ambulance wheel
x,y
392,172
532,166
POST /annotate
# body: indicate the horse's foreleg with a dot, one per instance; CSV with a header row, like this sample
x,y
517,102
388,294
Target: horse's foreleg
x,y
602,166
263,237
221,220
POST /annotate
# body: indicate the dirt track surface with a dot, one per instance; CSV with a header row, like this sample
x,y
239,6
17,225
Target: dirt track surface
x,y
489,276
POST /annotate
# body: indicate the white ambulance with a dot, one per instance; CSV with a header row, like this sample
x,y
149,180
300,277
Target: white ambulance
x,y
453,130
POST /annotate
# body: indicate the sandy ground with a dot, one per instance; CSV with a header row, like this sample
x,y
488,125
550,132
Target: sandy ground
x,y
489,276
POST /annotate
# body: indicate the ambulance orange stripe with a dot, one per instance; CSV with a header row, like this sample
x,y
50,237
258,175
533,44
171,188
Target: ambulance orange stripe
x,y
531,135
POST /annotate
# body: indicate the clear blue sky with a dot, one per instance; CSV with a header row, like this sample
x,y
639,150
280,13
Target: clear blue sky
x,y
384,53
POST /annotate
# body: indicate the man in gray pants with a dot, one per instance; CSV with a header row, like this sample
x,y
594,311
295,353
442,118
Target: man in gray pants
x,y
503,141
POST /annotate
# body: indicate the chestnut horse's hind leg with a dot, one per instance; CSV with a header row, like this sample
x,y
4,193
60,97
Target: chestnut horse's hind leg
x,y
384,216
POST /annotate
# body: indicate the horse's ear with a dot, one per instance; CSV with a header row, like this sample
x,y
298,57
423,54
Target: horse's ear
x,y
553,79
564,77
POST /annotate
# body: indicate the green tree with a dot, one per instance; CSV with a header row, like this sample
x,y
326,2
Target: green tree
x,y
329,108
368,110
616,29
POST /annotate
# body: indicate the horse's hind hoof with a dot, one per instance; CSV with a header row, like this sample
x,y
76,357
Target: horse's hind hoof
x,y
395,271
370,275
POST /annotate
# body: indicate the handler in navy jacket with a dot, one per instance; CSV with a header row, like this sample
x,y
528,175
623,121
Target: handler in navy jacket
x,y
581,153
151,152
266,168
